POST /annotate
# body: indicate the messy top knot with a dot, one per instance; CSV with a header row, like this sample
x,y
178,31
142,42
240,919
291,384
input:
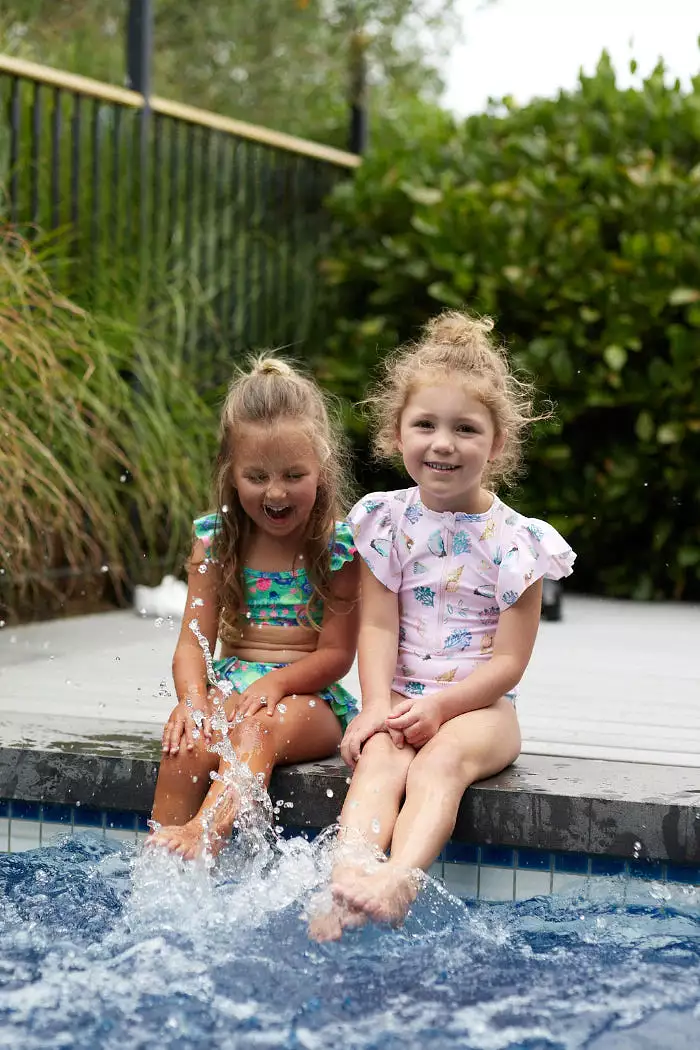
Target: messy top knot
x,y
456,345
271,391
455,327
271,366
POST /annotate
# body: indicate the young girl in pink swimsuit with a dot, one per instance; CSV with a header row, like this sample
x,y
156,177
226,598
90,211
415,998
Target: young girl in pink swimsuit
x,y
451,584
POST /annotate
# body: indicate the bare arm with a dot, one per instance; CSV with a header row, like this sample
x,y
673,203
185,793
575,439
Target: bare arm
x,y
378,641
377,651
189,665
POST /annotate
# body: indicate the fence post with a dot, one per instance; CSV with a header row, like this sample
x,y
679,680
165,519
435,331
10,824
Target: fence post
x,y
139,46
358,91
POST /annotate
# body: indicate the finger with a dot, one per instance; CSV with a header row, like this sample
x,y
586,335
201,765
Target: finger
x,y
175,734
270,707
396,737
411,718
189,739
206,728
401,709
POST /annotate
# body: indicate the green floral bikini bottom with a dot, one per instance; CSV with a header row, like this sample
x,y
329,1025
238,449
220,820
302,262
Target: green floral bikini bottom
x,y
243,673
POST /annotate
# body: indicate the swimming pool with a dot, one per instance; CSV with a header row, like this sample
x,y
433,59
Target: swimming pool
x,y
101,946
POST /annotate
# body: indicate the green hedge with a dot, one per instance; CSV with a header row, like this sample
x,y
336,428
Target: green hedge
x,y
576,223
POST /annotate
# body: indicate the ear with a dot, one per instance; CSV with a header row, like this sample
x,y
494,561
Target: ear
x,y
498,445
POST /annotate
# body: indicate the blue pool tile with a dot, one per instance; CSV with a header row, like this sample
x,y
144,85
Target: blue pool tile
x,y
4,809
645,869
607,866
25,810
89,817
55,813
682,873
460,853
311,833
534,859
571,863
142,821
120,820
498,856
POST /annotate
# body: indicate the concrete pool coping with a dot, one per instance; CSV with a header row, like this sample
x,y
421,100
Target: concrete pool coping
x,y
572,805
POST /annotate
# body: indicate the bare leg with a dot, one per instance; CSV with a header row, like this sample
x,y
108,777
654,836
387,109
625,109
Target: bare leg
x,y
183,780
367,823
301,734
470,747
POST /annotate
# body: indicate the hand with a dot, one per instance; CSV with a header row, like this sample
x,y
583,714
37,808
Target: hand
x,y
418,720
362,727
185,721
265,694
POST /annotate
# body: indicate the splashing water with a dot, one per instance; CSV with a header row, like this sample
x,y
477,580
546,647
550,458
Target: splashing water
x,y
101,946
244,792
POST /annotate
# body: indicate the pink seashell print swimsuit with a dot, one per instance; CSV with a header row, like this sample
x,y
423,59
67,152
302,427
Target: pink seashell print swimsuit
x,y
454,574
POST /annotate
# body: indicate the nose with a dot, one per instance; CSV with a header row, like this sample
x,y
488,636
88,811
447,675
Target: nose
x,y
443,442
276,490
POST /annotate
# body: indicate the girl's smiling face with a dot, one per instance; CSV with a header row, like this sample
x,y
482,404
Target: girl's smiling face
x,y
446,437
276,472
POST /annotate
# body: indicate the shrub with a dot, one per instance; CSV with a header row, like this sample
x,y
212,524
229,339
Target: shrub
x,y
576,223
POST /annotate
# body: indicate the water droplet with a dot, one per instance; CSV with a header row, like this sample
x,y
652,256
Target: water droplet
x,y
158,622
104,568
68,681
122,478
224,508
2,623
312,703
117,659
289,805
142,612
196,602
329,792
202,568
195,779
77,803
101,706
282,708
348,780
248,614
376,826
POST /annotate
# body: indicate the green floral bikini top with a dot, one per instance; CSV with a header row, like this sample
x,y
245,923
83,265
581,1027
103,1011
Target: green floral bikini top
x,y
279,599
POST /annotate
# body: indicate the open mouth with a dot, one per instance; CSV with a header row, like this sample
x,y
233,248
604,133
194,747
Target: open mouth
x,y
444,468
277,513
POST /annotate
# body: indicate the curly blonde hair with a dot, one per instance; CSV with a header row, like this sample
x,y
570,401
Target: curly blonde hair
x,y
270,391
457,344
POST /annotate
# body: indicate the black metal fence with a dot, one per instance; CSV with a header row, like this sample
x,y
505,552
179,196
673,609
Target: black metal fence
x,y
211,228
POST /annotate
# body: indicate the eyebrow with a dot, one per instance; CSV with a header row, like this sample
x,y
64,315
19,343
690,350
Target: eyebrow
x,y
433,415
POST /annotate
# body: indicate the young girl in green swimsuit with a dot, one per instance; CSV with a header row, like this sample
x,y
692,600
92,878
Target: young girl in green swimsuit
x,y
272,575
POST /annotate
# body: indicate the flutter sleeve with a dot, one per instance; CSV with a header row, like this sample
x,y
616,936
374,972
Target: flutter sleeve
x,y
205,529
534,550
374,533
342,545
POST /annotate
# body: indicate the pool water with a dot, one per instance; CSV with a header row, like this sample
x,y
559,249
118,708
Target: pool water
x,y
104,946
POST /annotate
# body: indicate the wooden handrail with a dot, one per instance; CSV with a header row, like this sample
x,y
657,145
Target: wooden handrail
x,y
81,85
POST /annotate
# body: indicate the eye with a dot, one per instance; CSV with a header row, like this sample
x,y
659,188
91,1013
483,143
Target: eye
x,y
257,479
295,476
423,424
466,428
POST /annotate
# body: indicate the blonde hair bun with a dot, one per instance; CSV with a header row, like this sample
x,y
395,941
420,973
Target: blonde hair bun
x,y
457,329
271,366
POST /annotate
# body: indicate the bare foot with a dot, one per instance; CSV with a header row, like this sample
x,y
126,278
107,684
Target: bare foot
x,y
384,895
187,840
330,925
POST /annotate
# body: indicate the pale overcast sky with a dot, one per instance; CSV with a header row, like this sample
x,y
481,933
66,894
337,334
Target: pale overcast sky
x,y
534,47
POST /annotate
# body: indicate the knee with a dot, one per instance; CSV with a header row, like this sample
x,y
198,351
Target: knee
x,y
189,763
444,769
